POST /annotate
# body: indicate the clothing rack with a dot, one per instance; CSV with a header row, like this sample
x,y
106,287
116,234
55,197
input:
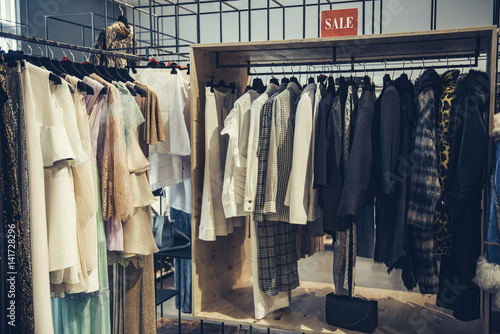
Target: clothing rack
x,y
222,288
471,60
68,46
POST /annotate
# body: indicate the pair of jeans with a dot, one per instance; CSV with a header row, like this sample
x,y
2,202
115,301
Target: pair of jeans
x,y
182,267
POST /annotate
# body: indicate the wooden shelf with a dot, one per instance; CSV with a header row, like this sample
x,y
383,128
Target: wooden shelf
x,y
397,311
411,45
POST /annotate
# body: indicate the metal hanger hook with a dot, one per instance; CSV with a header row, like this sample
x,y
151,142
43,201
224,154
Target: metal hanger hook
x,y
72,55
385,66
51,52
364,67
272,72
255,71
470,63
447,64
403,65
64,53
423,63
10,47
121,10
283,68
31,50
40,49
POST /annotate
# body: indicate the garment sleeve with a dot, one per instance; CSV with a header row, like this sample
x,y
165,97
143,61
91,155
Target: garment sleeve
x,y
389,136
320,150
470,157
271,189
297,195
357,174
252,159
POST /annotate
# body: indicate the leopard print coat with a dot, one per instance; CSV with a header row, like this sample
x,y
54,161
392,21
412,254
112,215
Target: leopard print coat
x,y
442,222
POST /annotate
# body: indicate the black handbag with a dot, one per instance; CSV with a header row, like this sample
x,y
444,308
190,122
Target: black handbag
x,y
166,234
350,312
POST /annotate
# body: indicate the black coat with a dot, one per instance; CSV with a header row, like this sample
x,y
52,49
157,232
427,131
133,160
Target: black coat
x,y
418,264
357,174
462,197
392,198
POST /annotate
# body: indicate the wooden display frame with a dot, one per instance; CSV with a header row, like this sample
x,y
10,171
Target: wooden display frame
x,y
221,268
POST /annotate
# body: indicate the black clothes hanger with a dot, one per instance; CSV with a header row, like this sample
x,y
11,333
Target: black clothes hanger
x,y
222,84
55,79
125,75
258,85
115,74
294,79
122,18
49,65
89,68
387,80
11,57
173,66
285,80
70,68
104,71
274,81
80,69
140,91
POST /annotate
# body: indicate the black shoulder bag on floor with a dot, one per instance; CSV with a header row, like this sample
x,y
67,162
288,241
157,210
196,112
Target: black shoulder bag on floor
x,y
350,312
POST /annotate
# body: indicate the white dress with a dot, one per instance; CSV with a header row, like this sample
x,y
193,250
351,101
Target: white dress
x,y
170,160
38,216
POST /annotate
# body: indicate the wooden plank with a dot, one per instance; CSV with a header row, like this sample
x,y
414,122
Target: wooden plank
x,y
399,311
357,40
366,51
220,264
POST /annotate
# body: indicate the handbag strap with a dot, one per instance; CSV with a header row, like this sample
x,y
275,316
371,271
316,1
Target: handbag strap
x,y
154,211
350,264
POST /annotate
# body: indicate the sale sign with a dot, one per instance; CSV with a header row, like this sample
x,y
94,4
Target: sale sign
x,y
339,22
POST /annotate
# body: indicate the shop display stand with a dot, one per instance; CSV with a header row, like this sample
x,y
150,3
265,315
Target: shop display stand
x,y
222,282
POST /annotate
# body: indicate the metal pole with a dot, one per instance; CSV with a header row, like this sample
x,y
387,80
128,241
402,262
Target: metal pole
x,y
220,21
381,6
283,22
363,16
373,17
93,27
304,19
249,20
151,35
176,8
83,39
198,23
319,18
268,21
105,29
432,12
46,36
435,13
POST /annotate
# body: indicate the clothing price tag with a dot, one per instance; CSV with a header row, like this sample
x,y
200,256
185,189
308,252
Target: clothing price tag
x,y
339,22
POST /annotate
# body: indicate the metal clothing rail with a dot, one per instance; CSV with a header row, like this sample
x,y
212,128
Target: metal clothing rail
x,y
36,40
